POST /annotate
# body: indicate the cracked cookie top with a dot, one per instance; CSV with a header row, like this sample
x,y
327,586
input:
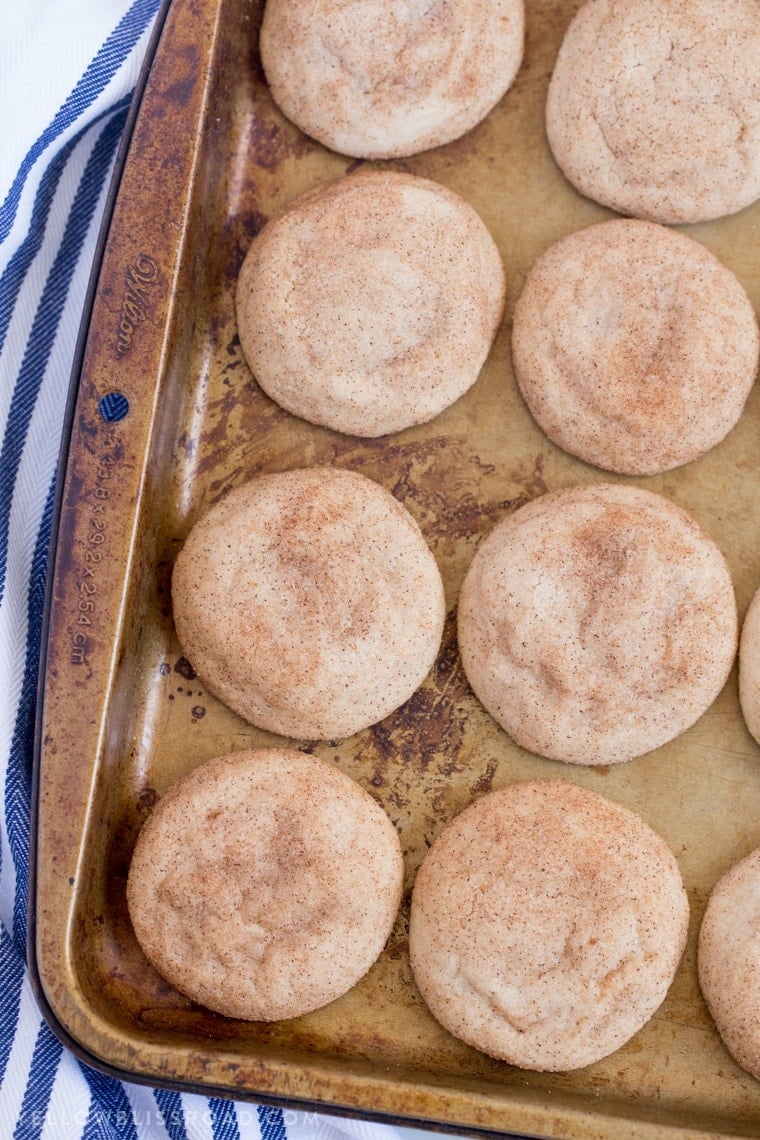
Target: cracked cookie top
x,y
634,348
374,79
265,884
597,623
309,602
370,304
654,107
546,925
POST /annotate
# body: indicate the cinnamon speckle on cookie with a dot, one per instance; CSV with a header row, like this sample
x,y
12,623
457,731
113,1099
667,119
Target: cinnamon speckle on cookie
x,y
309,602
634,347
654,107
597,623
378,80
546,925
749,668
728,964
370,304
265,884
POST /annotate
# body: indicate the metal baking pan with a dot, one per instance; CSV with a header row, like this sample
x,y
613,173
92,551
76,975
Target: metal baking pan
x,y
167,418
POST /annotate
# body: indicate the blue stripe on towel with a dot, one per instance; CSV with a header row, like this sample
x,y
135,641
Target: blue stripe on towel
x,y
172,1113
96,78
224,1125
271,1123
46,320
110,1116
12,279
18,775
12,973
44,1066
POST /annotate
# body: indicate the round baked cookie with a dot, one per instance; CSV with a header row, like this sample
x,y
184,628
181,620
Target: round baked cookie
x,y
596,623
371,303
728,963
654,107
749,668
265,884
546,925
309,602
377,80
635,349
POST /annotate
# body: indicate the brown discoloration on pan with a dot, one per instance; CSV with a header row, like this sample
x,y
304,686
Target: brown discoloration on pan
x,y
211,159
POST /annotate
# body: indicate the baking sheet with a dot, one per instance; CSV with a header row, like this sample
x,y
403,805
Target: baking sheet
x,y
124,715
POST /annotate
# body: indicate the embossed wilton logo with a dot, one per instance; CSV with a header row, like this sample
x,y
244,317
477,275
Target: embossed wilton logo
x,y
134,304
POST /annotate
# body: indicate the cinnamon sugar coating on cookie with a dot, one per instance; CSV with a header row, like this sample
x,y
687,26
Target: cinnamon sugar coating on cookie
x,y
749,668
547,924
371,303
309,602
634,348
265,884
378,80
597,623
728,963
654,107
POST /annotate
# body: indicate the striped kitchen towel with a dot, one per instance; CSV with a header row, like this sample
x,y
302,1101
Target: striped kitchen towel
x,y
67,72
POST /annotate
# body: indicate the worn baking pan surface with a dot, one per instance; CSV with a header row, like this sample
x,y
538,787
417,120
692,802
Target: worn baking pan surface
x,y
124,715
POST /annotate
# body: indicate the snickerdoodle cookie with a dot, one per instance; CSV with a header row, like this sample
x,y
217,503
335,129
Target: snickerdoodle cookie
x,y
371,303
597,622
265,884
547,924
378,80
728,962
654,106
309,602
635,349
749,667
